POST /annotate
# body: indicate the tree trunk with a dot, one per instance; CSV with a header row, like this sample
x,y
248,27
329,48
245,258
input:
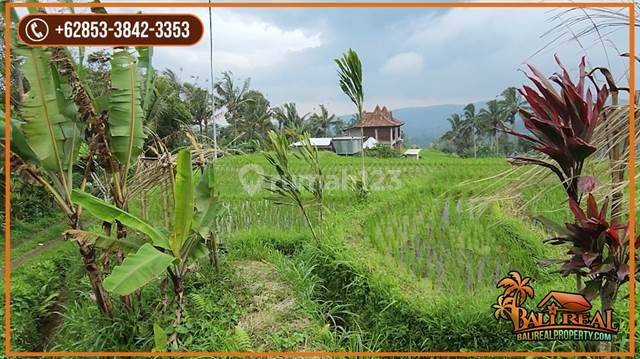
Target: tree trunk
x,y
122,234
178,288
475,149
88,253
607,299
95,278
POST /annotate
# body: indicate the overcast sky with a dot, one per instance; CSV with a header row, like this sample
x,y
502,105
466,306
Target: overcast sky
x,y
411,57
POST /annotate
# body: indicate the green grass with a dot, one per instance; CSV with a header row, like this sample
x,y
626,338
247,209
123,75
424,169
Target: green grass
x,y
413,268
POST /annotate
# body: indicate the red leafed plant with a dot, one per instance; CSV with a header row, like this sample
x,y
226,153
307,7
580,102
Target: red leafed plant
x,y
598,250
561,123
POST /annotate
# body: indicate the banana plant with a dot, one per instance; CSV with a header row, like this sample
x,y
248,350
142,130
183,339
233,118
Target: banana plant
x,y
194,215
58,112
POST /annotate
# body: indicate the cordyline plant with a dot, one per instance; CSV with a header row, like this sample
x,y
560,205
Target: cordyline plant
x,y
561,123
598,250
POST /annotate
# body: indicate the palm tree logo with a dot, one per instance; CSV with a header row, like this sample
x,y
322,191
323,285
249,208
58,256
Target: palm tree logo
x,y
504,308
517,287
516,291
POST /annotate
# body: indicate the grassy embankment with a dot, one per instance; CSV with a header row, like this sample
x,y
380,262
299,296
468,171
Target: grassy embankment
x,y
411,269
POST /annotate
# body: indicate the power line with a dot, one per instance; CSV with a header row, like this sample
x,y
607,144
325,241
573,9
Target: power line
x,y
212,79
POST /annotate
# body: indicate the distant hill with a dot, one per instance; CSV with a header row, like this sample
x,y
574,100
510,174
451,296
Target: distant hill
x,y
425,124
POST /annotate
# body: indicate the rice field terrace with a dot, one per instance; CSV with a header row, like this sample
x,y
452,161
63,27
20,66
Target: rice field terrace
x,y
150,214
419,251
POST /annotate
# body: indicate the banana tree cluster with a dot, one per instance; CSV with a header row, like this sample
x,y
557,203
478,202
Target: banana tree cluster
x,y
59,118
194,215
561,122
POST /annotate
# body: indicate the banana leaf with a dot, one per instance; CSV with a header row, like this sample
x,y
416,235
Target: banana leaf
x,y
125,111
137,269
184,202
145,53
109,213
102,241
19,144
49,127
207,207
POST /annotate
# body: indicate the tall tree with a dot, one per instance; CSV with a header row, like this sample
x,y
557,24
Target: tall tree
x,y
492,118
289,119
321,123
199,104
168,113
512,101
255,117
230,95
471,123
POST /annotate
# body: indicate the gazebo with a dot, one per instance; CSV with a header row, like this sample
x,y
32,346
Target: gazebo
x,y
380,125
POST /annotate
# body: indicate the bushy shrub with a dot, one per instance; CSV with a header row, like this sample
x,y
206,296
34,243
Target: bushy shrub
x,y
29,201
383,151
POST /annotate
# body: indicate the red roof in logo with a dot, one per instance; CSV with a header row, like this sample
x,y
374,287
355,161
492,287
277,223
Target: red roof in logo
x,y
568,302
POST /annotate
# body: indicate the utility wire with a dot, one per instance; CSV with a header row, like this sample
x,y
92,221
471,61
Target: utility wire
x,y
212,79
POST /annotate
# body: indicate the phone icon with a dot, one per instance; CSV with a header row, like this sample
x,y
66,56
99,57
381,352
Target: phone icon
x,y
36,30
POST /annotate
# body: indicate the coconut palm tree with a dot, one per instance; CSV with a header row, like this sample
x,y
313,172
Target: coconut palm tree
x,y
471,120
512,101
288,117
320,124
255,117
491,119
230,95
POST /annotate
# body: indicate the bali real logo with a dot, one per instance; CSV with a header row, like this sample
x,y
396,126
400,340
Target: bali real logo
x,y
558,316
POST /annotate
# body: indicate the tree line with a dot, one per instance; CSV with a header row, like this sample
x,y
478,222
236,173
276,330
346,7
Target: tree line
x,y
248,114
477,132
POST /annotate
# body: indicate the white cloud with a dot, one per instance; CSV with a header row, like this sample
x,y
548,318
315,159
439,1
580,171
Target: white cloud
x,y
242,43
404,63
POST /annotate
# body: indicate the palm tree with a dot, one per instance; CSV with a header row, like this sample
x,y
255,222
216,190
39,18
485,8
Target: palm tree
x,y
471,120
504,307
288,117
459,133
229,95
320,123
255,116
199,104
350,80
517,287
512,101
491,119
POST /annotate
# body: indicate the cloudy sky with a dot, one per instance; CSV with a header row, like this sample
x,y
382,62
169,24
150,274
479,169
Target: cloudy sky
x,y
411,57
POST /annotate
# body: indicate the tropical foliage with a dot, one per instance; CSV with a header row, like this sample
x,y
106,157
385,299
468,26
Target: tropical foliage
x,y
478,132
